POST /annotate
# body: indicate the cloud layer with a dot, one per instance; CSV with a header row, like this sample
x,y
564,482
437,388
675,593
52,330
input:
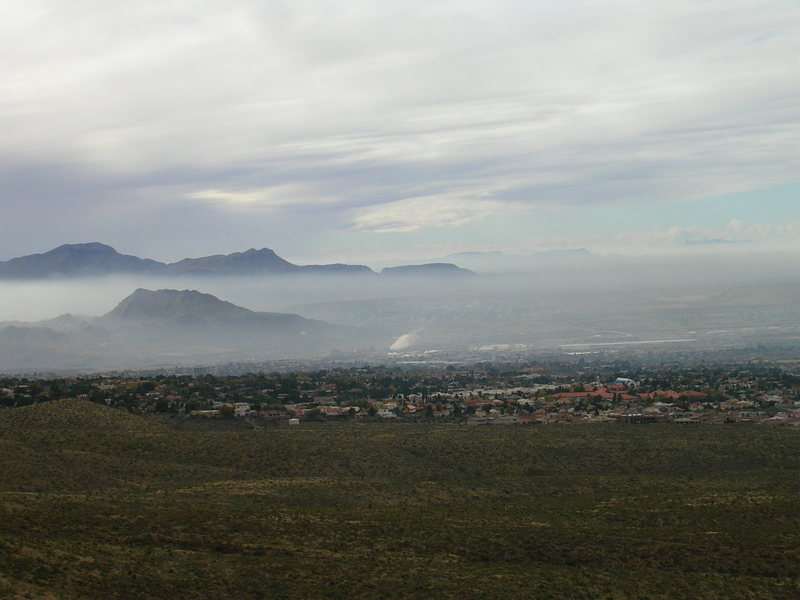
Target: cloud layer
x,y
251,118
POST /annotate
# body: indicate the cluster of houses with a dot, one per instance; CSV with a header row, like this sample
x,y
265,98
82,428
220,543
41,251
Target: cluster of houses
x,y
615,401
619,401
477,397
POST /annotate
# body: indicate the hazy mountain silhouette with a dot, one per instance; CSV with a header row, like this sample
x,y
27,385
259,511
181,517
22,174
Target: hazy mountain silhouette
x,y
96,259
176,314
238,263
172,327
429,269
173,304
77,260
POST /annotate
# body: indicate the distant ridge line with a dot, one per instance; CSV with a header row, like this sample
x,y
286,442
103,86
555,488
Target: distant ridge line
x,y
98,259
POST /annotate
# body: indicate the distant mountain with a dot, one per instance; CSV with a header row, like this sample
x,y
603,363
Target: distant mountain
x,y
152,327
95,259
173,304
67,323
77,260
429,269
203,316
255,262
239,263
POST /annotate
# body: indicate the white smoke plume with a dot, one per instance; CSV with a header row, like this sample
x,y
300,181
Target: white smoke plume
x,y
404,341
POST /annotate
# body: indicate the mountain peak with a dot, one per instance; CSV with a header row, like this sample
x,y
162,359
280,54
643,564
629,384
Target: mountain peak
x,y
91,259
175,304
84,247
251,261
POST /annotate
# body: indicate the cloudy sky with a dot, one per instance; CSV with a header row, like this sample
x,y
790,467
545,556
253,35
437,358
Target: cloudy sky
x,y
372,130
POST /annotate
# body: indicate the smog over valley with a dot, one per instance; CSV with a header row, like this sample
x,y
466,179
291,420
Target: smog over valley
x,y
453,299
87,308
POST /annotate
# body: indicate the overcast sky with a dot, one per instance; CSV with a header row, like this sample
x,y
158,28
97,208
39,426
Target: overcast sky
x,y
372,130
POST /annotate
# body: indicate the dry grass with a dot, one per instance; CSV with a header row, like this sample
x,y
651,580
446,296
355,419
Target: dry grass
x,y
97,503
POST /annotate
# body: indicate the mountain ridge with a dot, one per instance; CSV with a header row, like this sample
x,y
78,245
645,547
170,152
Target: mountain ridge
x,y
236,263
174,304
93,259
152,327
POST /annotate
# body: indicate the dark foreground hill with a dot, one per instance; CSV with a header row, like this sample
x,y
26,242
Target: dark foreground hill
x,y
73,415
96,503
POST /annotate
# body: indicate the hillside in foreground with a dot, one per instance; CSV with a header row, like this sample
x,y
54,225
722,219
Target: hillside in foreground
x,y
98,503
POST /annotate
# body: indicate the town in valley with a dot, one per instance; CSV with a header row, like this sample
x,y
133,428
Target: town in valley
x,y
555,391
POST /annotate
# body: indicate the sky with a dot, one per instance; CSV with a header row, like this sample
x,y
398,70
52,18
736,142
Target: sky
x,y
365,131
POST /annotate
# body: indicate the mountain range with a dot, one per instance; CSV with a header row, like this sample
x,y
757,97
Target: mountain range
x,y
96,259
152,327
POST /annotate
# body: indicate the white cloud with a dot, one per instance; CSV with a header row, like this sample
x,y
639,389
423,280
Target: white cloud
x,y
392,107
412,214
267,198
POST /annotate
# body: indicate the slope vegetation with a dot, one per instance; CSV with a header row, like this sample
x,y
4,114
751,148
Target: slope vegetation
x,y
102,504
